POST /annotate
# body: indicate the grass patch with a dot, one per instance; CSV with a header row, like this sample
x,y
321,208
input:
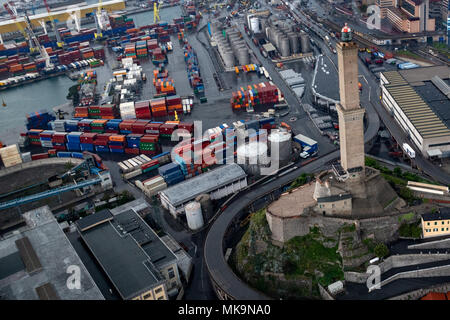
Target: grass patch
x,y
406,217
408,54
410,230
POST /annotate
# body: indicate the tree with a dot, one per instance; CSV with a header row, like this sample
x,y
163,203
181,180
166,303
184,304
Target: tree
x,y
73,95
381,250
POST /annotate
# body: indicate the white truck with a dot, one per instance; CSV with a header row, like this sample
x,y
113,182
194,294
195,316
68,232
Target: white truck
x,y
409,151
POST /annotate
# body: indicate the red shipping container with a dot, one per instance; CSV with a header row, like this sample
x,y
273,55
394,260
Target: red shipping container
x,y
38,156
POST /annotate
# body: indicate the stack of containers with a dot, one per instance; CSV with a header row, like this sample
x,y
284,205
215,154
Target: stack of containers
x,y
81,112
141,49
158,107
39,120
59,141
149,166
46,138
165,86
149,144
127,110
142,110
130,50
174,104
171,173
117,143
193,70
101,142
153,185
85,125
133,142
112,126
126,126
58,125
139,126
108,111
10,156
158,56
167,129
73,141
94,112
87,141
188,126
98,126
153,128
264,93
71,125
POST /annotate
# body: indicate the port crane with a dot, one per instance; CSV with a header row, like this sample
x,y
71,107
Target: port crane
x,y
156,6
11,9
101,21
33,41
59,41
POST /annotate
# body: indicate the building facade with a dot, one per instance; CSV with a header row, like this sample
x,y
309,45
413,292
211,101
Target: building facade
x,y
436,224
411,16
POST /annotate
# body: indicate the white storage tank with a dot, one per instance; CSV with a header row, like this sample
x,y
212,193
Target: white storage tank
x,y
194,215
280,146
252,156
254,25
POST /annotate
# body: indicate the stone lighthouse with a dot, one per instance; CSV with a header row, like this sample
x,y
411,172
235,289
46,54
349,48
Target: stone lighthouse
x,y
351,115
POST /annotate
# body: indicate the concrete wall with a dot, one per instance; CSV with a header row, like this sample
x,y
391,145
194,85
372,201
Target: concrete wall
x,y
438,244
398,261
417,294
38,163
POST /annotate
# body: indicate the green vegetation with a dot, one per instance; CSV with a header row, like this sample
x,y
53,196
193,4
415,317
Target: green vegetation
x,y
301,180
442,48
406,217
408,54
73,95
122,198
410,230
284,272
381,250
348,228
398,179
68,165
377,248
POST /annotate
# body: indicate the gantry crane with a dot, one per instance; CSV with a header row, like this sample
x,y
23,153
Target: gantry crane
x,y
11,9
59,41
156,6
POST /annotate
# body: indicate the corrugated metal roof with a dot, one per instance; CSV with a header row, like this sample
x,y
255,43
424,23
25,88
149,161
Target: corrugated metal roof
x,y
423,118
204,183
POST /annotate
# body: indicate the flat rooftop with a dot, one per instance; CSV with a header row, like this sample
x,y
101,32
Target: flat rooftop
x,y
292,204
425,105
128,250
34,261
204,183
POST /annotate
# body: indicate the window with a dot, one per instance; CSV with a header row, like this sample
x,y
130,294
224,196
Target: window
x,y
171,273
442,229
435,223
158,290
161,298
428,223
147,296
443,222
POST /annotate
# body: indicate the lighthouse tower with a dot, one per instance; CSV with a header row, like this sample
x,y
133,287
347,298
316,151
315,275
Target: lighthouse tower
x,y
350,113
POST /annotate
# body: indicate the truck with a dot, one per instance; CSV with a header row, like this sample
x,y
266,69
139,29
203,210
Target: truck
x,y
408,150
309,146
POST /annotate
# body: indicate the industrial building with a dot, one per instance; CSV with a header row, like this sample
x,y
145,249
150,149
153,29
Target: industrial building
x,y
419,100
287,41
138,263
218,183
436,224
34,262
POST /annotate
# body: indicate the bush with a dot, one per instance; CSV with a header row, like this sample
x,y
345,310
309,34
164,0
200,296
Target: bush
x,y
410,230
381,250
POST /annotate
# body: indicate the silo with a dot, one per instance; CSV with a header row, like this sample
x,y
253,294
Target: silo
x,y
206,205
251,156
284,47
304,39
278,36
228,58
294,43
243,56
280,146
194,215
254,24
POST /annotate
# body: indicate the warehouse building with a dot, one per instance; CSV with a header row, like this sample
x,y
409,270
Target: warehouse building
x,y
419,100
218,183
137,262
36,261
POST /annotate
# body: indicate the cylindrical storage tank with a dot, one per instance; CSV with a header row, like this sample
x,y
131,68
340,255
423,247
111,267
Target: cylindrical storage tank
x,y
243,57
284,47
280,146
294,43
194,215
206,205
278,36
254,24
251,156
228,59
304,40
